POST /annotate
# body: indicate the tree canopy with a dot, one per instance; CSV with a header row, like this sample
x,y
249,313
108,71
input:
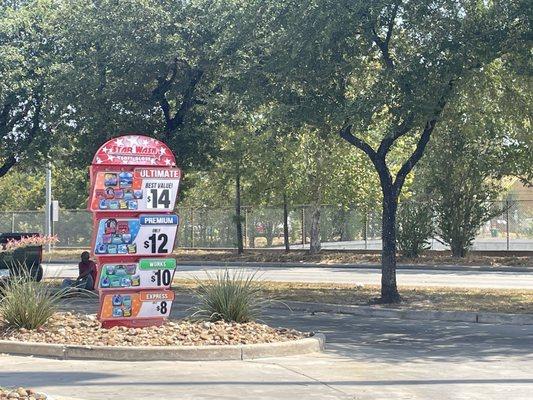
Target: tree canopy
x,y
314,101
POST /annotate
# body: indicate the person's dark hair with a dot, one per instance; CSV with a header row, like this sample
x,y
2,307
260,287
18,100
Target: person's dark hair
x,y
85,255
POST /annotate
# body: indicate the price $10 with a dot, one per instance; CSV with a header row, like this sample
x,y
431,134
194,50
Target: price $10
x,y
162,277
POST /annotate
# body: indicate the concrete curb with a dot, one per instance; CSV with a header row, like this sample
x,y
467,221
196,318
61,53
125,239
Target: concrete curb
x,y
312,344
416,267
425,315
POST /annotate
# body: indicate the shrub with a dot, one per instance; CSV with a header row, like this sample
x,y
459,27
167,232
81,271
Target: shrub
x,y
26,303
236,297
414,227
27,241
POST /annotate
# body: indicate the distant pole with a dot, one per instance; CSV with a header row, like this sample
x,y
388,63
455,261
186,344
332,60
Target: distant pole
x,y
246,227
48,205
303,225
507,222
366,229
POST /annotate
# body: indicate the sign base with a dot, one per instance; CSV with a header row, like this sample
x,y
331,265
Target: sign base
x,y
133,323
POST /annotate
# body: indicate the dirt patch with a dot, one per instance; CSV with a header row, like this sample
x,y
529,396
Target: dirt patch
x,y
424,298
325,257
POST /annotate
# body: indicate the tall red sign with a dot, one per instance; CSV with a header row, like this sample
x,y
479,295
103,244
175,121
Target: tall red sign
x,y
134,187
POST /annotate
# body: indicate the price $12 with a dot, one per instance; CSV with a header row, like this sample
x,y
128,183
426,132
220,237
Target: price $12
x,y
155,240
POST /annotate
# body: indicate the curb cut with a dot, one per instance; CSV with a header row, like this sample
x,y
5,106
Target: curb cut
x,y
369,311
312,344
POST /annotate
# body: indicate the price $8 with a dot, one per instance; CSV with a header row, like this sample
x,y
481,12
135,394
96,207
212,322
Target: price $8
x,y
162,307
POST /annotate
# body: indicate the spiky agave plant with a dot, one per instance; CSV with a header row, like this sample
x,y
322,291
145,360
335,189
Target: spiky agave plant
x,y
229,296
26,303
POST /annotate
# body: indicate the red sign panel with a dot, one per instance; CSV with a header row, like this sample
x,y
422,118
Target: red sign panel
x,y
144,189
134,150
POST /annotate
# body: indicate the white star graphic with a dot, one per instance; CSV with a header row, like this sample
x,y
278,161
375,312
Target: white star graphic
x,y
168,162
162,150
119,142
105,150
134,140
98,160
110,157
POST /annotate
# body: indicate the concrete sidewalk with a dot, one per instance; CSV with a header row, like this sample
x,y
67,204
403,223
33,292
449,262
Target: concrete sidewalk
x,y
366,359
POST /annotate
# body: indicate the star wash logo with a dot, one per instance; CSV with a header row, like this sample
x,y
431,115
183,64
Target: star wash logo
x,y
134,150
135,146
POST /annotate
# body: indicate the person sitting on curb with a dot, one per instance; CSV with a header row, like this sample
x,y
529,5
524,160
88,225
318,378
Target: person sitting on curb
x,y
87,274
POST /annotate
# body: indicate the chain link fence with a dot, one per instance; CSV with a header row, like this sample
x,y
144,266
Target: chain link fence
x,y
340,228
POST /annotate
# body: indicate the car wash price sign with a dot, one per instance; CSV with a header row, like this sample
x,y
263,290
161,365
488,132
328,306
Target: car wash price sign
x,y
142,235
134,188
143,190
153,273
128,307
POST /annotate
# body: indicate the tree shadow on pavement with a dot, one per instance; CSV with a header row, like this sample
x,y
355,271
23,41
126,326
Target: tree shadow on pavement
x,y
396,340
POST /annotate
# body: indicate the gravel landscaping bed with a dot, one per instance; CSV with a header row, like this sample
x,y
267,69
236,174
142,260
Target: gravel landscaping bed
x,y
83,329
21,393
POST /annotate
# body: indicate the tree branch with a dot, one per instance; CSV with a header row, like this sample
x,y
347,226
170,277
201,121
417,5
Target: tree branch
x,y
188,101
415,156
12,159
389,140
8,164
347,135
424,139
383,44
390,25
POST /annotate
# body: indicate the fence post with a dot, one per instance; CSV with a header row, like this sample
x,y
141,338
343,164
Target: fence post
x,y
245,244
303,225
12,222
507,221
366,229
192,227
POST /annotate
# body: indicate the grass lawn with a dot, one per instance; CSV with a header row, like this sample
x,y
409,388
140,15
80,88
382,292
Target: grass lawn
x,y
425,298
513,301
326,257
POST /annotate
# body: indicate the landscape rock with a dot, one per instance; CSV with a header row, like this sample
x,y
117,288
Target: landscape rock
x,y
82,329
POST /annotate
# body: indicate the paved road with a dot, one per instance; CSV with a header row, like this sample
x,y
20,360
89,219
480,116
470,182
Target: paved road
x,y
507,280
499,243
366,359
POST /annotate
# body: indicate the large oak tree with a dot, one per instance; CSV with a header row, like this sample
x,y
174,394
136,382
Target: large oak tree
x,y
381,73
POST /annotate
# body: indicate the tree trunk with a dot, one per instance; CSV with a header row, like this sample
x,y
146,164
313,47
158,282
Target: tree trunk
x,y
238,218
315,245
286,223
458,248
389,290
251,235
269,233
344,234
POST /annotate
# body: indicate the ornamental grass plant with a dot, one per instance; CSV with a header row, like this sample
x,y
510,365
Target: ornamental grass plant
x,y
236,296
26,303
